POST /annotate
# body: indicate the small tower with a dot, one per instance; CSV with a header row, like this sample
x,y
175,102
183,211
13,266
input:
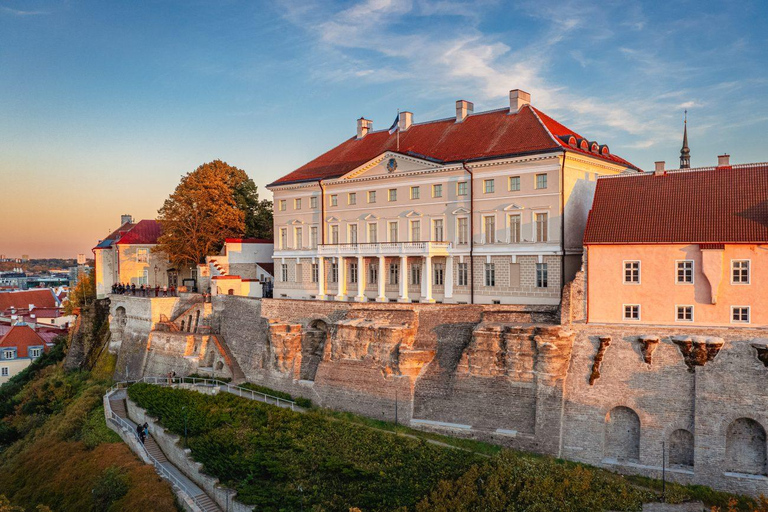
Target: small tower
x,y
685,153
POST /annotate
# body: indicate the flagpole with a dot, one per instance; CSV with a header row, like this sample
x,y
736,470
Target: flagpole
x,y
398,130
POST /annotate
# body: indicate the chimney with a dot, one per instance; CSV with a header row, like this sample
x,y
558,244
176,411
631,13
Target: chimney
x,y
363,127
126,219
31,307
659,170
724,160
463,109
518,98
406,120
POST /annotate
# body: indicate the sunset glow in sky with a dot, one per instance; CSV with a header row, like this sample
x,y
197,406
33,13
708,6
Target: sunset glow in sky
x,y
105,104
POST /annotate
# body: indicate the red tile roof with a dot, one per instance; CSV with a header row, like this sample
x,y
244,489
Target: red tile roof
x,y
248,241
110,239
146,232
484,135
22,337
712,205
41,298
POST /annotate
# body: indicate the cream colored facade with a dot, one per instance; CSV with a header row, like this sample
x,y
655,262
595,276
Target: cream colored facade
x,y
506,230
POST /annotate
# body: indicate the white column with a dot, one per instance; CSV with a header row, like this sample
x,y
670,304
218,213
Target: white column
x,y
448,278
321,278
404,279
426,280
382,280
361,279
342,293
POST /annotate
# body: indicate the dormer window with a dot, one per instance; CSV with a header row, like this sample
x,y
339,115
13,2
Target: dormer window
x,y
9,354
595,147
584,145
604,150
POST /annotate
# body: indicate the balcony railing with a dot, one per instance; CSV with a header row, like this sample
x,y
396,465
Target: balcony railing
x,y
384,248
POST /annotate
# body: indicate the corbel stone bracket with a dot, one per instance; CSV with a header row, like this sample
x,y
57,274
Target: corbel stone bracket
x,y
698,350
648,346
605,342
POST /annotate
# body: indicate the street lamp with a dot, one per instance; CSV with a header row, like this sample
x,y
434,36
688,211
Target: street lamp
x,y
156,275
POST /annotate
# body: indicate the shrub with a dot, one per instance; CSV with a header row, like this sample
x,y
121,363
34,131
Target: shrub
x,y
111,486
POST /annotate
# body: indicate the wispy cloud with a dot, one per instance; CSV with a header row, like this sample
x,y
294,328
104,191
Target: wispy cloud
x,y
19,12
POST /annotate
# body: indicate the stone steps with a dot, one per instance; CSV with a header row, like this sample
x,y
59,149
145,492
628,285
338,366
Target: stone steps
x,y
206,503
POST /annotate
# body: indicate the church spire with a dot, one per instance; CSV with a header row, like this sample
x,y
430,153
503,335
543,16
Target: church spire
x,y
685,153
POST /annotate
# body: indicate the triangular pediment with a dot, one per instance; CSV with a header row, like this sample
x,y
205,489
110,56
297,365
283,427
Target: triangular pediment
x,y
390,163
460,211
512,206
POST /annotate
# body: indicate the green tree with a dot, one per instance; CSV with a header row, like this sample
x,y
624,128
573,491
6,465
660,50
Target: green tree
x,y
83,293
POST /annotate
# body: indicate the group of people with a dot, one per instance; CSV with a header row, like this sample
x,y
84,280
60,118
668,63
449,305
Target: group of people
x,y
143,291
142,431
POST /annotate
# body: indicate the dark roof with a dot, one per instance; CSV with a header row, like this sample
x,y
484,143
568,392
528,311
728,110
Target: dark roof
x,y
712,205
269,267
22,337
484,135
146,232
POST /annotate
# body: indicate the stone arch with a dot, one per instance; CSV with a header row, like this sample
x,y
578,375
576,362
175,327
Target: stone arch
x,y
681,447
231,291
622,435
313,341
745,448
121,318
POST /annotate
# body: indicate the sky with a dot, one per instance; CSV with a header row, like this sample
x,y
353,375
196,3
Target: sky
x,y
105,104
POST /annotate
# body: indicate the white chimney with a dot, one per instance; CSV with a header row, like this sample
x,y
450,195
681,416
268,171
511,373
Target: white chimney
x,y
406,120
363,127
723,160
518,98
659,168
31,307
463,109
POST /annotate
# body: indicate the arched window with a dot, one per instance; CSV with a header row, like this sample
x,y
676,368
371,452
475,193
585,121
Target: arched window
x,y
681,448
745,447
622,435
231,292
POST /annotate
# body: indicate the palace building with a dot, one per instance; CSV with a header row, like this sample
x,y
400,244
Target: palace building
x,y
486,207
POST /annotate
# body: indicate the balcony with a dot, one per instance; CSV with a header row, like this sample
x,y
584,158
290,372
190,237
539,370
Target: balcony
x,y
385,249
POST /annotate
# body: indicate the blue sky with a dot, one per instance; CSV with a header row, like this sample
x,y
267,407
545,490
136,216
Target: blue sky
x,y
104,104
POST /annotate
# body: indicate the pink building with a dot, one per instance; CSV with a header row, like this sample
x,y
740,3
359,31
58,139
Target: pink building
x,y
682,247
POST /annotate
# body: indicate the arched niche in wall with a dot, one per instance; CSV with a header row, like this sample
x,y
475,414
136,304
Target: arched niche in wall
x,y
622,435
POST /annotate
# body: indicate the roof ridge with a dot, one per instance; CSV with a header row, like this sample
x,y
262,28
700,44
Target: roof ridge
x,y
444,119
689,170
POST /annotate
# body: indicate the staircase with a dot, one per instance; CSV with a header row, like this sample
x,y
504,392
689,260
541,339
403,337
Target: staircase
x,y
206,503
219,268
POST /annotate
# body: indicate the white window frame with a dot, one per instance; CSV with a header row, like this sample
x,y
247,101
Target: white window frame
x,y
373,273
297,203
352,198
519,216
350,228
282,205
458,231
489,271
334,234
433,232
392,195
415,274
438,274
484,237
9,354
394,273
5,371
545,270
534,225
743,322
284,272
462,274
142,255
375,226
371,196
437,190
334,271
624,312
415,192
35,352
334,199
410,230
459,188
677,313
298,237
283,238
389,231
749,271
509,184
639,272
677,272
313,202
352,265
313,239
492,183
315,272
536,181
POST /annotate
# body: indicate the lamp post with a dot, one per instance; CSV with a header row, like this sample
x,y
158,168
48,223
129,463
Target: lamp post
x,y
155,275
663,472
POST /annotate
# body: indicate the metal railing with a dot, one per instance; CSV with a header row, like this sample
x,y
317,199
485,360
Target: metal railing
x,y
376,248
161,470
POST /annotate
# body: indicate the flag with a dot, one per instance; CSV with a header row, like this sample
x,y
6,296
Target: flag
x,y
395,125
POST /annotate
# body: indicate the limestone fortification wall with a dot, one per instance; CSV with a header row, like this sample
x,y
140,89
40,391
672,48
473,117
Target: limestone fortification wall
x,y
527,377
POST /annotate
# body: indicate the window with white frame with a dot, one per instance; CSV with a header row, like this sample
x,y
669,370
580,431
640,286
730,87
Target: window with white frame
x,y
283,238
541,181
392,194
415,192
372,233
740,271
352,198
394,273
298,237
142,255
144,279
514,183
282,205
313,237
462,272
8,354
489,186
684,314
489,229
393,231
284,272
35,352
297,204
740,314
4,371
438,272
437,190
313,202
461,188
371,196
353,272
685,272
373,273
334,272
335,234
515,228
462,230
631,272
542,275
352,234
415,273
490,274
315,272
631,311
415,230
438,234
334,200
541,221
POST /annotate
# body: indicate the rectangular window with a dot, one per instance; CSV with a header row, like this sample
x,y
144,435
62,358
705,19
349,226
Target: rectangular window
x,y
542,275
371,196
298,237
515,228
685,272
283,238
297,204
740,314
8,354
313,237
284,272
392,194
439,274
438,231
740,271
334,200
315,272
437,191
334,272
490,274
415,193
372,233
463,230
353,233
352,198
461,188
144,279
282,205
631,272
461,278
4,371
685,313
393,232
631,312
415,230
542,228
353,272
35,352
373,273
415,273
142,255
335,234
489,186
313,202
489,229
394,273
514,183
541,181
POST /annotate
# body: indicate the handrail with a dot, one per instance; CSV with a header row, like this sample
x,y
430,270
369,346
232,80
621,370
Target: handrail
x,y
158,466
